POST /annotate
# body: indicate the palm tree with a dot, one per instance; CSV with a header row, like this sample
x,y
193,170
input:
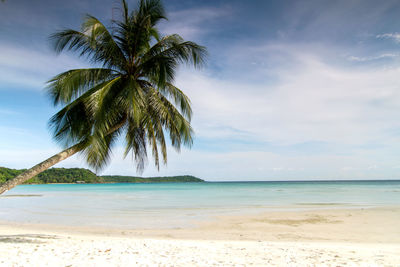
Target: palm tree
x,y
129,93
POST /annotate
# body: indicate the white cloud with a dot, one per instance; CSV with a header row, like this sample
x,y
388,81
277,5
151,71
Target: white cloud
x,y
311,100
190,23
371,58
394,36
231,165
263,165
373,167
22,66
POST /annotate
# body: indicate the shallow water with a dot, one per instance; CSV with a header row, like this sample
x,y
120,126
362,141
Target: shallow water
x,y
171,205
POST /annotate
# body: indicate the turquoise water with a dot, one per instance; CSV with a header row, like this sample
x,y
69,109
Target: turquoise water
x,y
170,205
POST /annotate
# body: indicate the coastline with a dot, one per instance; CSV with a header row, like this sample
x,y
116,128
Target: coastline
x,y
324,236
353,225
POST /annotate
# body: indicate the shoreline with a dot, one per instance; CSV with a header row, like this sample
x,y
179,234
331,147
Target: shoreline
x,y
318,237
229,181
337,224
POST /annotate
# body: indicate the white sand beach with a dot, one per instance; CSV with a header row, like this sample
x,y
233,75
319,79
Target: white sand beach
x,y
329,237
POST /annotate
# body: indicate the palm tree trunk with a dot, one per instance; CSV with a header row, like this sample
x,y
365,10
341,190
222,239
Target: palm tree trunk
x,y
35,170
44,165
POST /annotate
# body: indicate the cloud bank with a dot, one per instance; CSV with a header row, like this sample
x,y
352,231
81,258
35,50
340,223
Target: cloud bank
x,y
292,90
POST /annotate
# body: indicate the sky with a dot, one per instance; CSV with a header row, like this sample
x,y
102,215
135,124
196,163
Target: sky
x,y
292,90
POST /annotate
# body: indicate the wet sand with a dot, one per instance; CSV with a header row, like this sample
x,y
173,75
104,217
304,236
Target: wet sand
x,y
325,237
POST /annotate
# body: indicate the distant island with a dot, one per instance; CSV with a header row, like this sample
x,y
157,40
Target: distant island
x,y
80,175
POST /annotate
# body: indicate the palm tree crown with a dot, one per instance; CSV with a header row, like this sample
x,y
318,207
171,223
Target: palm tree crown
x,y
131,93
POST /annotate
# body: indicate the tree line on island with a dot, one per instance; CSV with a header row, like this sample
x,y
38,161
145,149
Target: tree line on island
x,y
80,175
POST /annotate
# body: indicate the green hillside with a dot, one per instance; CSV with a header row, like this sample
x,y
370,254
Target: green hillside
x,y
73,175
53,175
133,179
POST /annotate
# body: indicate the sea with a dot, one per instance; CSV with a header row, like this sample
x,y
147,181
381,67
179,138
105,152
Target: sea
x,y
175,205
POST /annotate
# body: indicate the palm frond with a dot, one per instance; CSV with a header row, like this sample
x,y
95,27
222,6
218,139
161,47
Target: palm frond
x,y
152,9
179,98
74,122
93,42
98,153
178,127
135,140
160,62
69,85
131,94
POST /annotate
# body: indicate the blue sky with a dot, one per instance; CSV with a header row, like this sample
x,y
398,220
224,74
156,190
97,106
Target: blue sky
x,y
292,90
